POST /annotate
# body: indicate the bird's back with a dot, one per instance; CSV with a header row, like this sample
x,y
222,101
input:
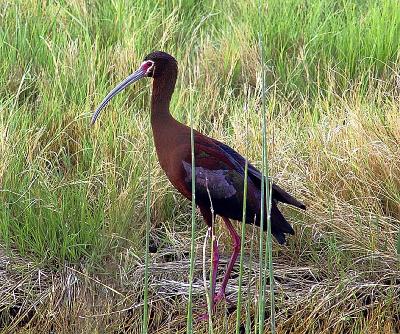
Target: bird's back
x,y
219,172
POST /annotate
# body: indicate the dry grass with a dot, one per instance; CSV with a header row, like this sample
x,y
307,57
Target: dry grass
x,y
75,301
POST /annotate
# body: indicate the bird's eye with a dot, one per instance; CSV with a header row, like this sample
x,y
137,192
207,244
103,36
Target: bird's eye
x,y
149,64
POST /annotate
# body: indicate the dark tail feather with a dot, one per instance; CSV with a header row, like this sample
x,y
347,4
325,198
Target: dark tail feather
x,y
279,225
282,196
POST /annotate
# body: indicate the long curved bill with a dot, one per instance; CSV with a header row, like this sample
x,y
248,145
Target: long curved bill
x,y
135,76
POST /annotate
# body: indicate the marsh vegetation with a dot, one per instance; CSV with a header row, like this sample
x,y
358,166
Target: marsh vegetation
x,y
73,198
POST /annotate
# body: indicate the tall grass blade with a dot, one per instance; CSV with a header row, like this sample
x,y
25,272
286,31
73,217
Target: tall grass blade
x,y
209,293
189,321
243,233
250,297
146,262
268,256
261,282
266,189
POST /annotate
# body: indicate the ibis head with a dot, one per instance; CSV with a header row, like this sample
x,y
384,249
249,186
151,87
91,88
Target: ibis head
x,y
154,65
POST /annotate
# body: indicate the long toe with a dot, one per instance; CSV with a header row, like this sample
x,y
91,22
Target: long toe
x,y
202,317
218,297
221,296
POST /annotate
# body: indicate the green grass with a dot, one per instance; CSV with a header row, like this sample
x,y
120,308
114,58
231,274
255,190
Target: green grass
x,y
75,195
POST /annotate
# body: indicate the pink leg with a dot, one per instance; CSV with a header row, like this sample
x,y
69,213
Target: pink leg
x,y
236,250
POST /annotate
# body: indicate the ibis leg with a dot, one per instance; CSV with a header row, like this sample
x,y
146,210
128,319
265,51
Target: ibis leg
x,y
236,250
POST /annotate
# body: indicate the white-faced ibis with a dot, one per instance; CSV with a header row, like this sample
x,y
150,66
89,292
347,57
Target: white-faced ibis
x,y
219,169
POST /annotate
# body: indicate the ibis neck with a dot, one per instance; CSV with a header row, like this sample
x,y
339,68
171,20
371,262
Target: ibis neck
x,y
163,124
163,87
165,128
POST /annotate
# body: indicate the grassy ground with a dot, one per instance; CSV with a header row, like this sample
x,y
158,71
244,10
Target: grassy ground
x,y
72,213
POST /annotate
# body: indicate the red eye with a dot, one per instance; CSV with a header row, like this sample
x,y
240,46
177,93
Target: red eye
x,y
147,65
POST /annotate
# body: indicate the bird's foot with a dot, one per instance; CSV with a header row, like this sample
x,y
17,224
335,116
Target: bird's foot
x,y
205,316
221,296
218,297
202,317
